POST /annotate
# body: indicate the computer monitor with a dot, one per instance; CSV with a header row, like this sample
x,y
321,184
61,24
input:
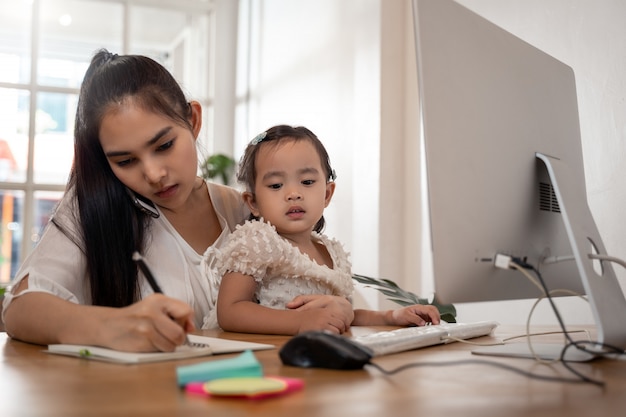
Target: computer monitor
x,y
504,167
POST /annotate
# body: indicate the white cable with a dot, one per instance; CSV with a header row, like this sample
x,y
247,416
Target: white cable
x,y
530,314
512,264
607,258
527,275
563,258
556,259
506,339
507,262
469,342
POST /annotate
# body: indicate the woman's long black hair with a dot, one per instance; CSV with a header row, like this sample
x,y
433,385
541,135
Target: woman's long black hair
x,y
110,226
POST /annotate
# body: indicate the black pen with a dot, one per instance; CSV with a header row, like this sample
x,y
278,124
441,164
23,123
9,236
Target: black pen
x,y
143,266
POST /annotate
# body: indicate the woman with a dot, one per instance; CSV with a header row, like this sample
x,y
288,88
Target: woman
x,y
133,187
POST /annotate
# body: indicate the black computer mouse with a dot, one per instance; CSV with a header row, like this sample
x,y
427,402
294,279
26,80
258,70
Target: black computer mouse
x,y
319,349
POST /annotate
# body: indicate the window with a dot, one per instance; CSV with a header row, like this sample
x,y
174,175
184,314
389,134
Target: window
x,y
45,48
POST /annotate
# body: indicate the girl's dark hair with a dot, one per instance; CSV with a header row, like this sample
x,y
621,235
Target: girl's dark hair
x,y
246,174
111,227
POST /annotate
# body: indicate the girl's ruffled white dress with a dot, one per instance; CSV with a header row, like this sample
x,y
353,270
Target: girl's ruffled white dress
x,y
280,269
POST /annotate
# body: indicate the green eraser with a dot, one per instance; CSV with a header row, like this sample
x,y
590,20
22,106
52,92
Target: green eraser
x,y
244,365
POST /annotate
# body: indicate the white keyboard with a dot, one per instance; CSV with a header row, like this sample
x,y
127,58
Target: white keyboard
x,y
408,338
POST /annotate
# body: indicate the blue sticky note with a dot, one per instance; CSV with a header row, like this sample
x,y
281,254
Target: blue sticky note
x,y
244,365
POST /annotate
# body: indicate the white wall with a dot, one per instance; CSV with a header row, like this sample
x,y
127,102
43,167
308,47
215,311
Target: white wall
x,y
316,63
223,64
346,70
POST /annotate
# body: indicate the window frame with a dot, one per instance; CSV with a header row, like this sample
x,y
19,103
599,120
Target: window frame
x,y
29,187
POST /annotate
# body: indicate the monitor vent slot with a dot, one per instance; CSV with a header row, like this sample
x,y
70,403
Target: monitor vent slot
x,y
547,198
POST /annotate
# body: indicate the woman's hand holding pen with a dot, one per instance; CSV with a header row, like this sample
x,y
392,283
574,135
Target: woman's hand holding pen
x,y
156,323
147,273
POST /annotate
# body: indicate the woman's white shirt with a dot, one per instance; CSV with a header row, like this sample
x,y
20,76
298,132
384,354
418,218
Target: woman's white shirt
x,y
57,265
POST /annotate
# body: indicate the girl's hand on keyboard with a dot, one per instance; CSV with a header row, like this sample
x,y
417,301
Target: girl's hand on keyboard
x,y
415,315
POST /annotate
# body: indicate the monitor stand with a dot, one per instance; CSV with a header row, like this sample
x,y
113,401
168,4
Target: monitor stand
x,y
605,295
544,351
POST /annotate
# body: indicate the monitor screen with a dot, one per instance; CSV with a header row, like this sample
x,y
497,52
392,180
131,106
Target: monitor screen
x,y
504,165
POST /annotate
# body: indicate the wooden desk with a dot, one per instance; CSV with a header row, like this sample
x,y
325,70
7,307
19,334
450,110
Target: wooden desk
x,y
33,383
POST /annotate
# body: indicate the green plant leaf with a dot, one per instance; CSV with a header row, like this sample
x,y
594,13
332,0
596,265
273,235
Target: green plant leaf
x,y
405,298
218,165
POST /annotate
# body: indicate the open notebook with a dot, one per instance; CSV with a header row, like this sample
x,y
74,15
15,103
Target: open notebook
x,y
211,346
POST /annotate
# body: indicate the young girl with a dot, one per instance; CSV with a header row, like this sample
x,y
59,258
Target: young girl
x,y
281,253
133,187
